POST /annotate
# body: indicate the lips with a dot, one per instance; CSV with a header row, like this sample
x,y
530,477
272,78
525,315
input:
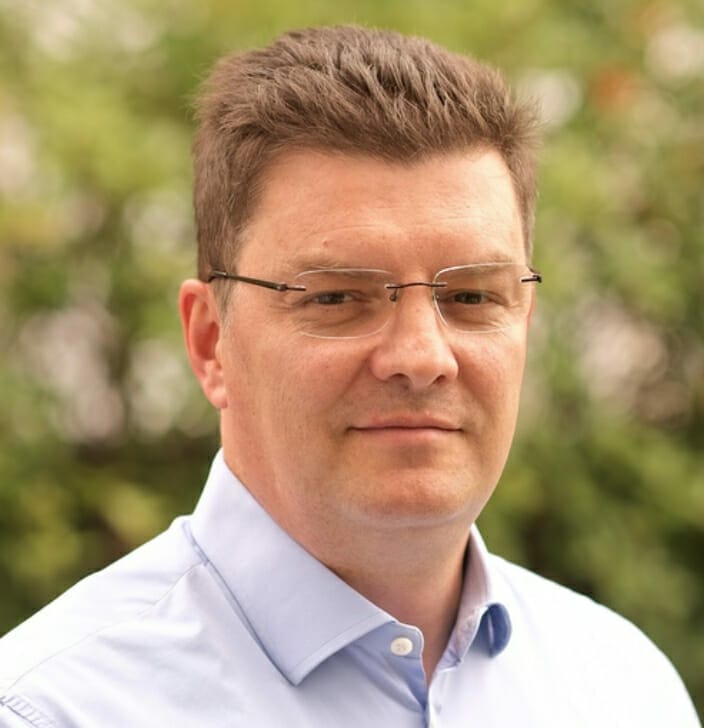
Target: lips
x,y
408,422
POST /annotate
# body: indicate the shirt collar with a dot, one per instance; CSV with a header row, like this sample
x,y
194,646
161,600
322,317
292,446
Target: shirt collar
x,y
483,617
299,610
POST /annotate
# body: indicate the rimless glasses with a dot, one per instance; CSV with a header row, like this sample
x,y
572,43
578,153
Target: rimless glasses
x,y
348,303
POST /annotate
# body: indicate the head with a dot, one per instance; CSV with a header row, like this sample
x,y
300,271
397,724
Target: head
x,y
351,90
351,148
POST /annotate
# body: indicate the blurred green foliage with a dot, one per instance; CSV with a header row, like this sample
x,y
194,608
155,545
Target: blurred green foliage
x,y
104,436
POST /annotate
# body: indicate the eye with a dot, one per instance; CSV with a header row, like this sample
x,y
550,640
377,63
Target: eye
x,y
331,298
468,297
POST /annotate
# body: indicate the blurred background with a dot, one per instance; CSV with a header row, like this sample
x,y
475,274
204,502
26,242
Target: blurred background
x,y
104,436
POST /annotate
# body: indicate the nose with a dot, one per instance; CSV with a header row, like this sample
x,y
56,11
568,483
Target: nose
x,y
413,347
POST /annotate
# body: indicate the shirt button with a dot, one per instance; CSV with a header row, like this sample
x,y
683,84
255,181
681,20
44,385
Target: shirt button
x,y
402,646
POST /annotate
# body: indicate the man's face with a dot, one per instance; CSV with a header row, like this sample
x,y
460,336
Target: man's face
x,y
408,427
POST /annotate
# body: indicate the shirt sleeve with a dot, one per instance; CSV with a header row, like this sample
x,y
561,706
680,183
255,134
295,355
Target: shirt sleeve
x,y
17,713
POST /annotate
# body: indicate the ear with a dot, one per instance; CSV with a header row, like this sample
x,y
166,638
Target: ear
x,y
202,331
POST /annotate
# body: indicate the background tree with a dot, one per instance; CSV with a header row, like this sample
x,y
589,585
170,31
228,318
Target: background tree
x,y
104,436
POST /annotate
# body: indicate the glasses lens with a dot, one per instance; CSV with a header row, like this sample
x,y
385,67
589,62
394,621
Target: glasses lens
x,y
340,304
482,297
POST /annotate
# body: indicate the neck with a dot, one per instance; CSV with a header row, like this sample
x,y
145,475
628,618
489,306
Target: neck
x,y
415,577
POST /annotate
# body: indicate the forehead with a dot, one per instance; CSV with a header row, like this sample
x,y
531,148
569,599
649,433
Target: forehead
x,y
319,209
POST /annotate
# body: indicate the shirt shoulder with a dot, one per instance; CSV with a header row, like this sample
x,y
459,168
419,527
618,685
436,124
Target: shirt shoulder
x,y
560,609
120,592
610,660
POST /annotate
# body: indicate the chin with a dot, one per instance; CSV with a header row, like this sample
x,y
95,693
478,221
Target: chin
x,y
420,502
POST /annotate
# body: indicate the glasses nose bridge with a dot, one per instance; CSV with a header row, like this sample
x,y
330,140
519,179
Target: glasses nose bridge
x,y
396,288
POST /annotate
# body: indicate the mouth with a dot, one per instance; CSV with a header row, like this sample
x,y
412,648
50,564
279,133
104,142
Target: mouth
x,y
408,426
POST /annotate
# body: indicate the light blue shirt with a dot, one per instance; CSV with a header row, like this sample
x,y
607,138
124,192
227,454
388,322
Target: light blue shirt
x,y
224,620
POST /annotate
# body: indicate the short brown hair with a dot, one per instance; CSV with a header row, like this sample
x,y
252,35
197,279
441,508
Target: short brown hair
x,y
345,89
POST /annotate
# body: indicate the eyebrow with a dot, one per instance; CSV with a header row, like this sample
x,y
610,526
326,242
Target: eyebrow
x,y
295,266
316,261
321,259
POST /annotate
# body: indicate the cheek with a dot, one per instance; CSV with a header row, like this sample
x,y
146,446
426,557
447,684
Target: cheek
x,y
492,369
321,373
296,388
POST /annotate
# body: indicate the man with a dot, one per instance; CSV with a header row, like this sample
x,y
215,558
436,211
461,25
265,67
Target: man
x,y
365,206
